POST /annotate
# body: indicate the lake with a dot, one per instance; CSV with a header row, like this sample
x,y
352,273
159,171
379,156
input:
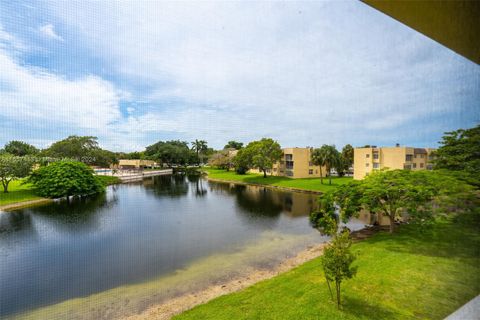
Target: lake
x,y
118,253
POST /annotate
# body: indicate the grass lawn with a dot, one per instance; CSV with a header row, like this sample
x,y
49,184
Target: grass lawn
x,y
304,183
108,180
402,276
17,193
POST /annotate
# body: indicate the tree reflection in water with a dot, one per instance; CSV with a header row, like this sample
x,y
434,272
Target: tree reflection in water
x,y
265,202
14,222
174,185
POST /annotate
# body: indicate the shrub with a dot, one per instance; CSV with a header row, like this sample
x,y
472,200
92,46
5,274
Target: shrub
x,y
65,178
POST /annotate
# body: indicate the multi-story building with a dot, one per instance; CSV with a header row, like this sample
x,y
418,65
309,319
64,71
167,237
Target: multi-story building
x,y
295,163
135,164
369,159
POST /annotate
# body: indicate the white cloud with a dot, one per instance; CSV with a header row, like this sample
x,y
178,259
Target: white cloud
x,y
304,73
44,99
49,31
296,71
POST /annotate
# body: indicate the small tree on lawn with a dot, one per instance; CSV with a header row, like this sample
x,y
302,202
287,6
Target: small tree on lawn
x,y
337,262
337,259
12,168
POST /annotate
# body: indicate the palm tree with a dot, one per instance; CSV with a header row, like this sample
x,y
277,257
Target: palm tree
x,y
318,159
199,146
327,156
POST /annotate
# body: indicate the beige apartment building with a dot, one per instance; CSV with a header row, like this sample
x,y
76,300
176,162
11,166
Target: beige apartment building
x,y
295,163
136,164
369,159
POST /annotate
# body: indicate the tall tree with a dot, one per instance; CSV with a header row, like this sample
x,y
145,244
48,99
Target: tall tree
x,y
327,156
174,152
20,148
13,168
233,145
200,147
261,154
460,151
81,148
346,158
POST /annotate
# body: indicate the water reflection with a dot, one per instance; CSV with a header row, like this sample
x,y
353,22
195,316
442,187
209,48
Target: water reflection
x,y
174,185
262,201
136,232
14,222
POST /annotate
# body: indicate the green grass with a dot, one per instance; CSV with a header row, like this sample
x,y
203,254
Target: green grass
x,y
108,180
17,193
304,183
406,275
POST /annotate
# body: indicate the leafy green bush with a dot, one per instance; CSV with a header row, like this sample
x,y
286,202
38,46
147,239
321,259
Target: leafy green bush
x,y
65,178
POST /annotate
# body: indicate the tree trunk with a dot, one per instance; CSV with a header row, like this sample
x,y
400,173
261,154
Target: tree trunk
x,y
321,175
5,186
338,294
329,287
392,222
329,177
264,173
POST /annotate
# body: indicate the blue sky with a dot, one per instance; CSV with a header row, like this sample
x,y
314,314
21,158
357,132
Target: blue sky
x,y
303,73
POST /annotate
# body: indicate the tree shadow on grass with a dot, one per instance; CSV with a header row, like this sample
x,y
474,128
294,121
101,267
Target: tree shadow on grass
x,y
446,240
361,309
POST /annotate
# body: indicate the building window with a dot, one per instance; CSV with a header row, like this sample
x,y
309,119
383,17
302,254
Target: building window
x,y
274,169
310,171
407,166
375,155
367,164
409,157
289,157
289,173
376,165
421,165
289,164
429,167
414,166
422,156
367,155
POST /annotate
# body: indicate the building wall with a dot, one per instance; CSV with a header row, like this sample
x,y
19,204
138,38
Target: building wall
x,y
302,167
135,163
368,159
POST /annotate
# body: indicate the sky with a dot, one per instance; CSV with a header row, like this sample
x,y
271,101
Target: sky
x,y
303,73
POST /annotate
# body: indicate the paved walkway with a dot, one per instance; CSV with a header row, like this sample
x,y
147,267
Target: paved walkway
x,y
129,176
469,311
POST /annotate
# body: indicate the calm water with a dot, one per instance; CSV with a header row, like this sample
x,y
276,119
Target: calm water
x,y
138,232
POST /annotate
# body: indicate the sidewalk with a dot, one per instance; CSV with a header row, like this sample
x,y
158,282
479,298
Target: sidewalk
x,y
469,311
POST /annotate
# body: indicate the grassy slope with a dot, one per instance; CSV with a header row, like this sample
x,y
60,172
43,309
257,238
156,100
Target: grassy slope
x,y
17,193
403,276
305,184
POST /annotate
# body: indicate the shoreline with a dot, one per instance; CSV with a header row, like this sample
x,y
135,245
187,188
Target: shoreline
x,y
24,204
30,203
263,185
175,306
